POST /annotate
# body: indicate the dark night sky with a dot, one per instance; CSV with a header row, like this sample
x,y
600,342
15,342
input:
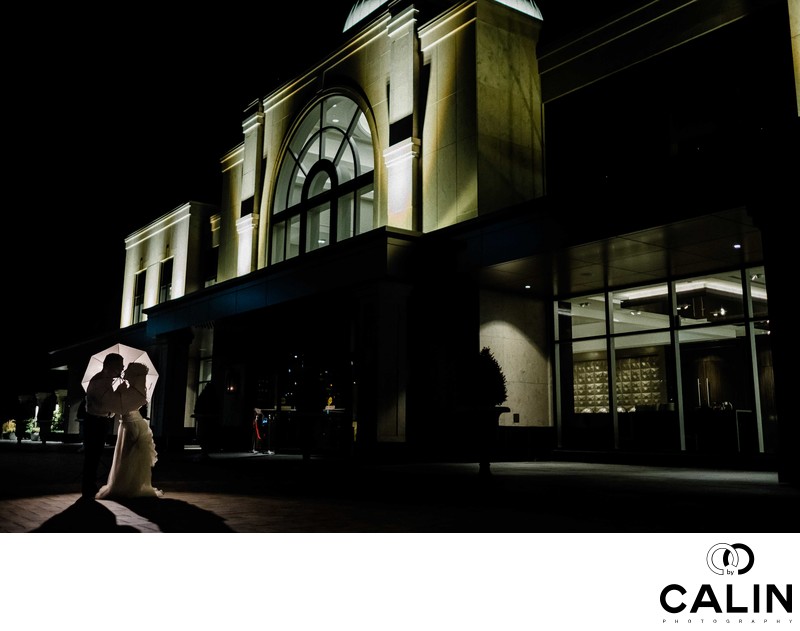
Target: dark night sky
x,y
113,126
114,122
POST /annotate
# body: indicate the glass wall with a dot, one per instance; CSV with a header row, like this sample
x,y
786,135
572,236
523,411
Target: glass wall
x,y
685,365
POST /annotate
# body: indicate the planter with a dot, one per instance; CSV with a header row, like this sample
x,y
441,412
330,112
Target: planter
x,y
488,422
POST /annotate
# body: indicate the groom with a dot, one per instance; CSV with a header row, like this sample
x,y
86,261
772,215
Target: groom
x,y
102,403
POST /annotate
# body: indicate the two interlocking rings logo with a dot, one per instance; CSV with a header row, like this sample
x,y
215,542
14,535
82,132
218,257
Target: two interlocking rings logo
x,y
729,556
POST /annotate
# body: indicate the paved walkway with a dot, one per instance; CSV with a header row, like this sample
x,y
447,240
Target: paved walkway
x,y
249,493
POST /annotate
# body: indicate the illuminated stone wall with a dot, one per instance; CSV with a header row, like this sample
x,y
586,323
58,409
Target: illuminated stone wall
x,y
175,235
515,329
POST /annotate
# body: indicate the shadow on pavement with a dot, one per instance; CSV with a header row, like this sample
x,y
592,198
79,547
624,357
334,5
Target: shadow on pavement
x,y
175,515
84,516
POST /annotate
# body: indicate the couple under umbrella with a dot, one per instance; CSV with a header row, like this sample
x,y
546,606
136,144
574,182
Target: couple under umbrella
x,y
119,382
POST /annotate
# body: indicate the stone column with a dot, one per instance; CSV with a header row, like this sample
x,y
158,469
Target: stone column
x,y
402,156
247,228
382,370
168,407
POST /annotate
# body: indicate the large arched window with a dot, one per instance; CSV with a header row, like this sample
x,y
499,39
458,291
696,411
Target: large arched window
x,y
325,187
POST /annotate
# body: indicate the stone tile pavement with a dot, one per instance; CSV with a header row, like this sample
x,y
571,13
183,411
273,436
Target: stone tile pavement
x,y
256,493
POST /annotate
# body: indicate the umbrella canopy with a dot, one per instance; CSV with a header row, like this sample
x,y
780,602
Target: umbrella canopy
x,y
129,355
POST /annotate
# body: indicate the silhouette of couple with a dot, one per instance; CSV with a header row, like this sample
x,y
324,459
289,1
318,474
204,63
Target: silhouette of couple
x,y
109,396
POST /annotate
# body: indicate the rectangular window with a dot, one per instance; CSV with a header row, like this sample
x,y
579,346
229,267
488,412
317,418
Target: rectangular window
x,y
590,376
204,375
165,284
641,309
278,241
138,298
344,224
286,239
319,228
210,264
758,291
582,317
710,299
645,403
293,238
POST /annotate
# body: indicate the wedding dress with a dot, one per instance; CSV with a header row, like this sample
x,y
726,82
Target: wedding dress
x,y
133,461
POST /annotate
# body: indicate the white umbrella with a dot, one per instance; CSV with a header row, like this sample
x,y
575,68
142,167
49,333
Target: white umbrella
x,y
129,355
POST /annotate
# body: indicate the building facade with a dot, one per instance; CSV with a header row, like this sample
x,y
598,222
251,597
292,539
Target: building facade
x,y
598,201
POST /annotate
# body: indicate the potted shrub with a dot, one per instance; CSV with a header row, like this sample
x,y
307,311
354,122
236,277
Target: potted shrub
x,y
490,393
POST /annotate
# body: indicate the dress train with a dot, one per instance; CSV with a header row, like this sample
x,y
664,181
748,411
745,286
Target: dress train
x,y
134,457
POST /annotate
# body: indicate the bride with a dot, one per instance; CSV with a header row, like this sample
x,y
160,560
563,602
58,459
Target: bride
x,y
135,452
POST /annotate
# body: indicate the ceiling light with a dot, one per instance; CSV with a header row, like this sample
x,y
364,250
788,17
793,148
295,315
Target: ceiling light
x,y
737,246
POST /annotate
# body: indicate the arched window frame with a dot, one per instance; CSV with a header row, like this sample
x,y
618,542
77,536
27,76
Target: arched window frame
x,y
324,193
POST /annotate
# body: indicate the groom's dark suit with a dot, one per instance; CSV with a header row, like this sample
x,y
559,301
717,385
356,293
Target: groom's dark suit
x,y
101,407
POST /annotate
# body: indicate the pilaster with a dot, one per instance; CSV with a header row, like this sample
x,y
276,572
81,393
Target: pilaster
x,y
247,232
402,167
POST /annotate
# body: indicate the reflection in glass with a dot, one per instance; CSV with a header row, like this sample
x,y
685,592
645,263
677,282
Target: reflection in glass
x,y
581,317
641,309
646,405
766,387
758,291
701,381
715,298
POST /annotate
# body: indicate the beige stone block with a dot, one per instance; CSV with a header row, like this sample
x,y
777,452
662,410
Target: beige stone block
x,y
465,64
466,112
430,191
430,66
430,127
447,119
467,178
446,58
533,403
447,194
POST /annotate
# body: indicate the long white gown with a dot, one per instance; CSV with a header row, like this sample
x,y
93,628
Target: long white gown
x,y
134,457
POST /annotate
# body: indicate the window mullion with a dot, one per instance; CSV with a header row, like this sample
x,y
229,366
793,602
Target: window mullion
x,y
308,160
